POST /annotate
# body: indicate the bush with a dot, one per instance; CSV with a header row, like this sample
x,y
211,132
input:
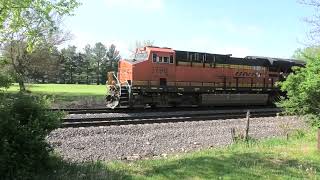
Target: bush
x,y
298,134
24,125
303,90
5,81
313,119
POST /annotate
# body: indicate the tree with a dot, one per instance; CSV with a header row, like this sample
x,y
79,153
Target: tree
x,y
113,57
314,21
5,78
303,86
43,65
26,24
29,17
69,56
306,53
17,54
99,54
111,62
88,63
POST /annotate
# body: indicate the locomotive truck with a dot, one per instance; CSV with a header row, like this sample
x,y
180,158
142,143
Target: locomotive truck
x,y
157,76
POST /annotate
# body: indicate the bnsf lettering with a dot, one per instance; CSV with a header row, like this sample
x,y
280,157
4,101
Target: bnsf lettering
x,y
247,74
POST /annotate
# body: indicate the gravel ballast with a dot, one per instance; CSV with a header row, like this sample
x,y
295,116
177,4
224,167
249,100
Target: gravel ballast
x,y
132,142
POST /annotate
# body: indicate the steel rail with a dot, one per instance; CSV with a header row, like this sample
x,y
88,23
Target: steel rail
x,y
162,109
108,121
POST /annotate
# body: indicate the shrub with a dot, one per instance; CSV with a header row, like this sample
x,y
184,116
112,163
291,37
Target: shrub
x,y
5,81
24,124
313,119
302,90
298,134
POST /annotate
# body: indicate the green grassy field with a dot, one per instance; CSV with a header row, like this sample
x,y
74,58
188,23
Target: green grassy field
x,y
63,89
63,94
277,158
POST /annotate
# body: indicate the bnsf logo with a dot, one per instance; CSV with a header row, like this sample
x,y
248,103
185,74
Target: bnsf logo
x,y
247,74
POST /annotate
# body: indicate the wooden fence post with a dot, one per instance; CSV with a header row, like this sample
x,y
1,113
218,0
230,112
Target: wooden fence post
x,y
233,134
248,123
318,138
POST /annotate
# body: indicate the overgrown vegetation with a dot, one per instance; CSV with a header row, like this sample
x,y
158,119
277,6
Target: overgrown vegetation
x,y
5,81
275,158
24,124
303,87
24,120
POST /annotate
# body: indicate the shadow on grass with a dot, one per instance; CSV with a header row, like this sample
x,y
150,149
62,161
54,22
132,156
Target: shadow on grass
x,y
234,166
63,170
237,166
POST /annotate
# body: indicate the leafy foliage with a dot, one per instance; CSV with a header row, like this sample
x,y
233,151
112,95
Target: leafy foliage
x,y
303,89
27,24
88,67
99,55
5,81
29,17
24,124
306,53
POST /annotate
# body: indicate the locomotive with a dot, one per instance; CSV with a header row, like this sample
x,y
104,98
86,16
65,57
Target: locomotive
x,y
157,76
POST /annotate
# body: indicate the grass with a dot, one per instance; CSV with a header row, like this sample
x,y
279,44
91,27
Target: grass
x,y
276,158
63,94
63,89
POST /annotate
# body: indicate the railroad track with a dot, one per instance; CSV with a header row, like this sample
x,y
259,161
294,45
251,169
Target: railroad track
x,y
223,114
138,110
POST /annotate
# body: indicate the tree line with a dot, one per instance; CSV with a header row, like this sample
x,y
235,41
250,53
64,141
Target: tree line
x,y
48,64
87,67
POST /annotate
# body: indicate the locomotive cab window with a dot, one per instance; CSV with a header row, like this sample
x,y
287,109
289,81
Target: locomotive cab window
x,y
160,59
171,59
154,58
166,59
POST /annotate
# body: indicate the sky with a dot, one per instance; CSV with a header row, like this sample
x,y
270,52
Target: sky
x,y
273,28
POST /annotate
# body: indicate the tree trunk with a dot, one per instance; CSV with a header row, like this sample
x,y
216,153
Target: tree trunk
x,y
22,85
98,74
87,75
71,76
